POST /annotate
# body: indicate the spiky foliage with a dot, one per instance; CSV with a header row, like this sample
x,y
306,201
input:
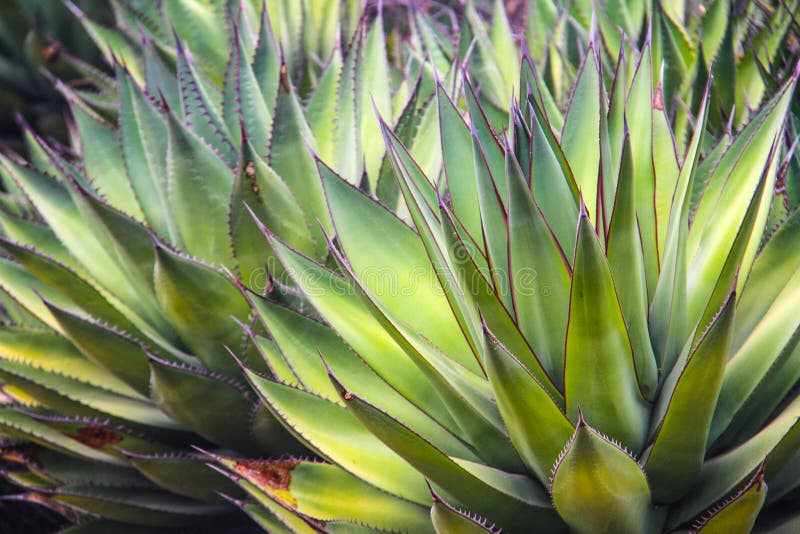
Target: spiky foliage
x,y
120,303
36,35
553,333
397,346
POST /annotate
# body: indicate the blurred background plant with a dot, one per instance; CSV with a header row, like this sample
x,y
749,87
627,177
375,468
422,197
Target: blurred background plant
x,y
37,35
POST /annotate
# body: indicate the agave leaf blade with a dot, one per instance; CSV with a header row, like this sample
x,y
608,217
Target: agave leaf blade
x,y
626,260
306,343
329,493
597,486
679,447
721,474
184,475
447,519
536,426
580,136
321,423
196,176
401,277
116,352
194,296
470,490
668,318
17,423
739,513
598,346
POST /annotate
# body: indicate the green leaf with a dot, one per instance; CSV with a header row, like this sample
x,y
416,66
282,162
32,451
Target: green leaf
x,y
400,277
490,160
600,376
626,262
199,111
65,470
291,155
130,245
496,57
447,519
177,389
552,183
539,275
497,318
18,424
416,193
23,292
68,394
321,110
668,312
159,70
265,518
257,187
466,395
723,473
321,424
580,136
184,474
598,487
56,202
142,507
115,351
459,171
200,303
536,426
374,97
305,342
492,197
347,137
721,212
36,235
512,501
102,159
335,300
685,408
738,514
196,176
81,294
270,513
256,85
143,135
639,112
114,44
48,352
329,493
203,26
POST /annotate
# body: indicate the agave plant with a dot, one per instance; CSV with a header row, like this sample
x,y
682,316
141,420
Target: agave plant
x,y
552,334
745,43
119,315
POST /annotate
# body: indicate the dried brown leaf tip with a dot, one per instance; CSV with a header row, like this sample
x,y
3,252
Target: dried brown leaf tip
x,y
96,436
285,78
51,52
274,476
658,99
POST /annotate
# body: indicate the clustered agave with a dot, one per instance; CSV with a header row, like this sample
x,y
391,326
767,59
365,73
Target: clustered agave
x,y
474,314
117,326
564,340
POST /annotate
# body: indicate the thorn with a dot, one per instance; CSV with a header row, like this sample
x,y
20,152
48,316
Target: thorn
x,y
581,421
